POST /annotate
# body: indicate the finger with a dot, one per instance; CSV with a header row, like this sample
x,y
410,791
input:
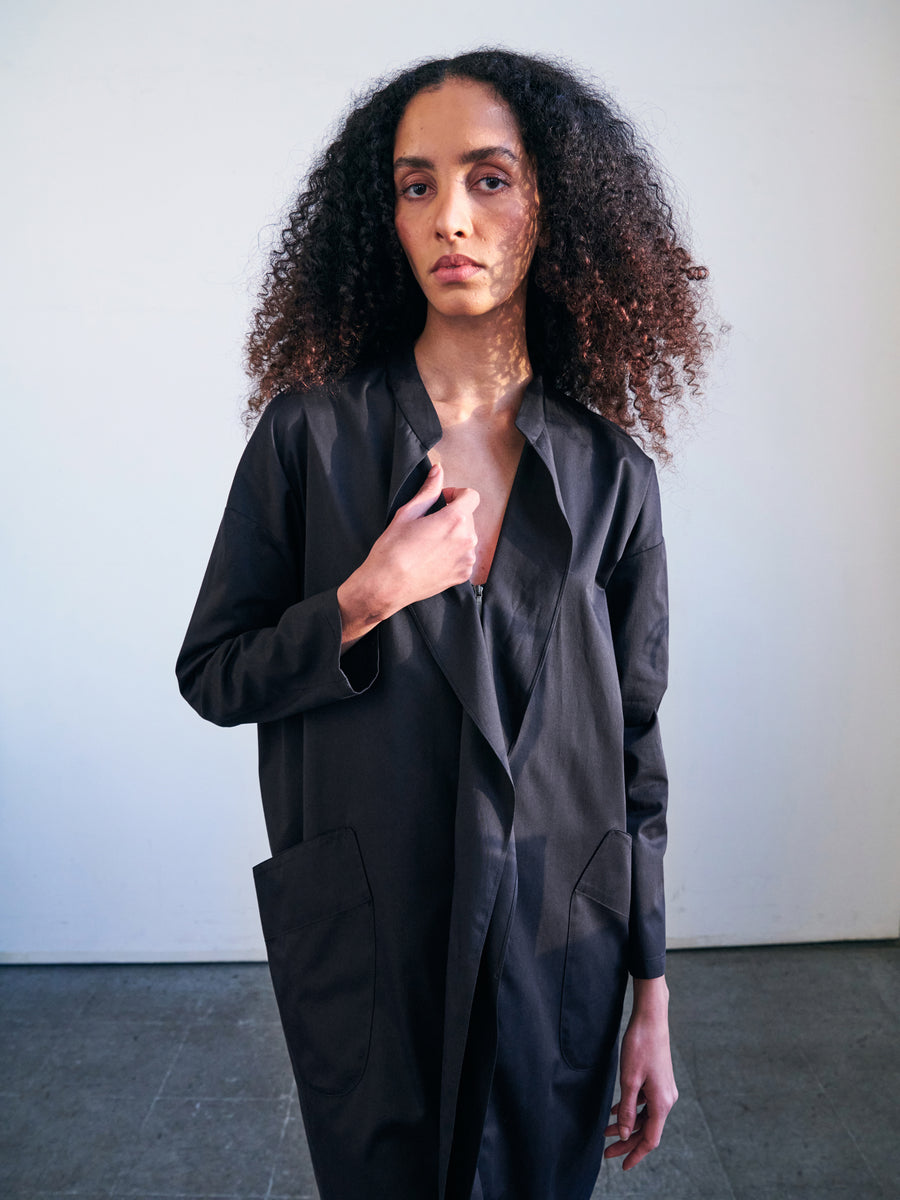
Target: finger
x,y
467,499
648,1139
425,496
653,1128
626,1110
640,1152
617,1149
612,1130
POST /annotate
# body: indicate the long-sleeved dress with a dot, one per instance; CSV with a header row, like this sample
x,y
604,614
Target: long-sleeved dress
x,y
466,816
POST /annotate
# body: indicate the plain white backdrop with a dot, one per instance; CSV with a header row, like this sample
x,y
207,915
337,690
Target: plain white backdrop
x,y
147,152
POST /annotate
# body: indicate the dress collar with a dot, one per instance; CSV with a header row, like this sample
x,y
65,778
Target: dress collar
x,y
527,577
416,405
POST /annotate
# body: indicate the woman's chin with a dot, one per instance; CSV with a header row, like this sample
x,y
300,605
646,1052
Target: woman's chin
x,y
465,304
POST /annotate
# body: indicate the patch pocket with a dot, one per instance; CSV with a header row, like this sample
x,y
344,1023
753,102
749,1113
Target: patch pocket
x,y
317,918
595,973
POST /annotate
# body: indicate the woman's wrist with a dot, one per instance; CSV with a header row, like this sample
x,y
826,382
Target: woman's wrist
x,y
362,607
651,997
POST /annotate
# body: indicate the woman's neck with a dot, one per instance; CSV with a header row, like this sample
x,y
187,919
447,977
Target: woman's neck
x,y
474,364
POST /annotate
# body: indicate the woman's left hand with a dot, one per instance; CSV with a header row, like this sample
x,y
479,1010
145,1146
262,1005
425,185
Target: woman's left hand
x,y
645,1075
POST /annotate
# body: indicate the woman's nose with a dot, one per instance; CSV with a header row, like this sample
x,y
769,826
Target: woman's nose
x,y
453,217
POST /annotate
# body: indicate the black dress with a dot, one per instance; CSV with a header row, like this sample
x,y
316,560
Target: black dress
x,y
467,818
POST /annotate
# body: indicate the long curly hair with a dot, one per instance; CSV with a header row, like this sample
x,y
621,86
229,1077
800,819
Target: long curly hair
x,y
614,308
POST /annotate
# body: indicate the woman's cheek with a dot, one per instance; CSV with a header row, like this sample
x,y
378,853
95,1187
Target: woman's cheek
x,y
403,237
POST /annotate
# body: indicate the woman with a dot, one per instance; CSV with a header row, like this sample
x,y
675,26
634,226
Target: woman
x,y
439,589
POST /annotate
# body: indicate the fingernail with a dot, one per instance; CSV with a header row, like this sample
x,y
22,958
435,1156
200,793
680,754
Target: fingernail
x,y
624,1133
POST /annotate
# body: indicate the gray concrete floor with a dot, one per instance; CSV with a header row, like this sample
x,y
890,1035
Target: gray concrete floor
x,y
162,1081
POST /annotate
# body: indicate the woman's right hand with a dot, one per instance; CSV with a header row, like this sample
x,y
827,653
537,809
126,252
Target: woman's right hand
x,y
418,555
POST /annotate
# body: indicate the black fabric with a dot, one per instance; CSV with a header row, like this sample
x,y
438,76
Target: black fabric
x,y
467,818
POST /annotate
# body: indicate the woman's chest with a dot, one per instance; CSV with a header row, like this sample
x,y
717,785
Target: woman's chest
x,y
488,465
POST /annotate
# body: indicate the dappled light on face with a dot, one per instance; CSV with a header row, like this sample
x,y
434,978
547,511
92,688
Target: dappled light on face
x,y
617,314
467,210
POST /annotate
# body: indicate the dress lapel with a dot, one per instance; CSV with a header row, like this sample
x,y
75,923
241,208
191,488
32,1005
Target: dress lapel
x,y
493,670
449,621
529,570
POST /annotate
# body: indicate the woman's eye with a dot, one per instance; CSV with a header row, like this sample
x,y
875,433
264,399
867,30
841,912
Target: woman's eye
x,y
492,183
415,189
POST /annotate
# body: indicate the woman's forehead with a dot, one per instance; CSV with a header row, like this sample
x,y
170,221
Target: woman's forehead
x,y
460,114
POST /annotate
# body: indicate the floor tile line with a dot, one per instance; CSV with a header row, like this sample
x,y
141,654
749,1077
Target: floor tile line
x,y
217,1098
281,1140
823,1069
839,1114
715,1146
122,1177
175,1057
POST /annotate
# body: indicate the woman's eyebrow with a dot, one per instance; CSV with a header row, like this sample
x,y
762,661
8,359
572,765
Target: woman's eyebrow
x,y
488,152
470,156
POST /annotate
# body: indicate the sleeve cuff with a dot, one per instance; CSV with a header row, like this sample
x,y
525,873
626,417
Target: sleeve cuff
x,y
648,968
358,665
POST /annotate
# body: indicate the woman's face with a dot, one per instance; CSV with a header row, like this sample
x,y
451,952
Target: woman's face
x,y
467,203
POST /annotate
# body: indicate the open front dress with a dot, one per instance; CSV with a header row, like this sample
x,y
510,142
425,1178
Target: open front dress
x,y
466,810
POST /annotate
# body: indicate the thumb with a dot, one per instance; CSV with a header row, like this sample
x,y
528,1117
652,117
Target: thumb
x,y
626,1111
425,496
467,498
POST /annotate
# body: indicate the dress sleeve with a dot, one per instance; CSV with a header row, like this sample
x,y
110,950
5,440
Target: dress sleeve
x,y
257,648
638,607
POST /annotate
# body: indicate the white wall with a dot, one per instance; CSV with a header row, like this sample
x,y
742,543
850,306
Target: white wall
x,y
144,150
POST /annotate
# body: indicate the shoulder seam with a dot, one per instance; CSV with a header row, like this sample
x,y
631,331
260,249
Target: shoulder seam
x,y
575,409
644,550
266,533
651,475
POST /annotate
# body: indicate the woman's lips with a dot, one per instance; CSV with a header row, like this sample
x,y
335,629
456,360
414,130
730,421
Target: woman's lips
x,y
454,268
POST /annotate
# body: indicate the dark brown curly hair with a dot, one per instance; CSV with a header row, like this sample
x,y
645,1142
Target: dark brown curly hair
x,y
614,306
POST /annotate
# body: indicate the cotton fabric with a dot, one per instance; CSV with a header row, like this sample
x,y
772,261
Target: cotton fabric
x,y
466,817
